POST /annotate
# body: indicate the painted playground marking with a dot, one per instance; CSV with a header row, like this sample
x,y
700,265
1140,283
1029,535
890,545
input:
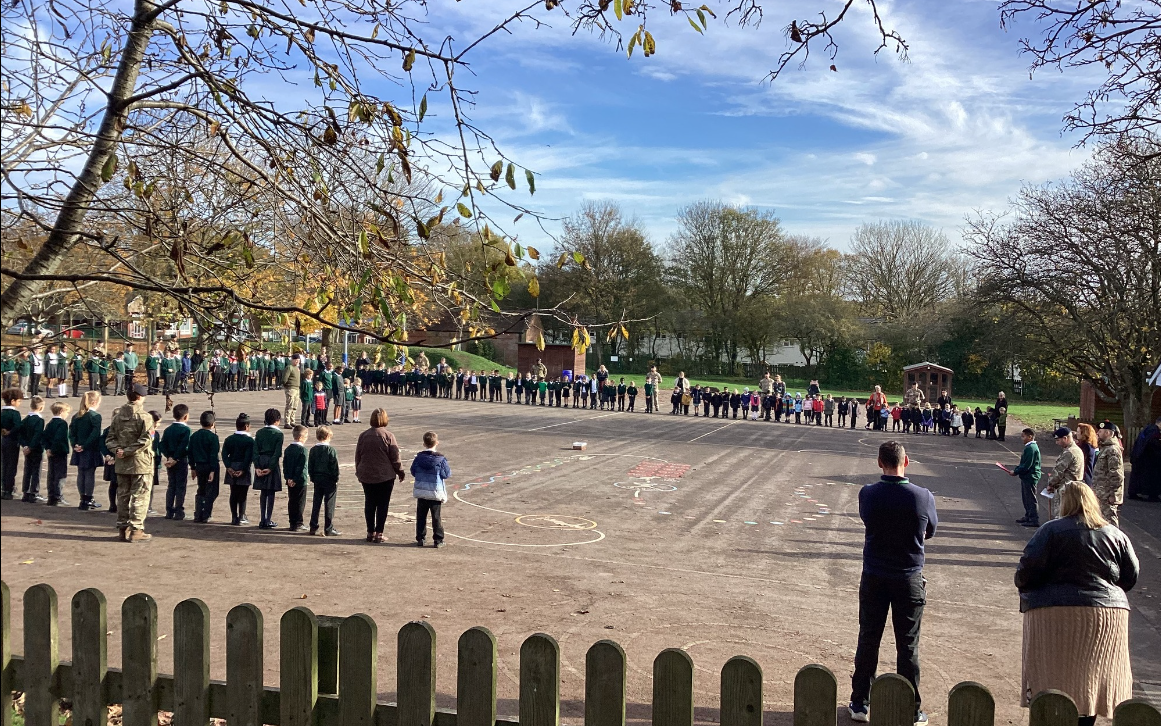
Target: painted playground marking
x,y
555,521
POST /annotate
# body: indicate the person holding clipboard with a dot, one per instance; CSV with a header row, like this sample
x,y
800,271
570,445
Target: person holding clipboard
x,y
1029,472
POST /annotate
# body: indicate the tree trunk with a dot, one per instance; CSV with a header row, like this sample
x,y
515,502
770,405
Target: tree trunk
x,y
1135,405
70,219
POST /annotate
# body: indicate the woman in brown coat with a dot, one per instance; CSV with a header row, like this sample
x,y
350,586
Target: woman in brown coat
x,y
377,466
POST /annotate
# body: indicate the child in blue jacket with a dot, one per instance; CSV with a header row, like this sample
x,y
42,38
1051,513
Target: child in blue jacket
x,y
430,470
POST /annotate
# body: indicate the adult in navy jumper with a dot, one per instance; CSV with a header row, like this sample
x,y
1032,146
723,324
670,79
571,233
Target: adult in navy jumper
x,y
898,517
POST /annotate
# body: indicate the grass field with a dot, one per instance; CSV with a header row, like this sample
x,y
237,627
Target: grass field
x,y
459,359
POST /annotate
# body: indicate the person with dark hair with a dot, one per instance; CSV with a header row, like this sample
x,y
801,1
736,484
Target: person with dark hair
x,y
31,433
1145,480
1029,472
174,449
429,470
130,439
238,457
1072,580
203,458
898,516
267,474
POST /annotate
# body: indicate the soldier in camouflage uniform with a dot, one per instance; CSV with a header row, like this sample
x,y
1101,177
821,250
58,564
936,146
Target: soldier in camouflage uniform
x,y
130,440
913,396
1069,467
1108,472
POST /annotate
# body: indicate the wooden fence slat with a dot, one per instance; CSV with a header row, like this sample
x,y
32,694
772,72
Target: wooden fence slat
x,y
605,684
1051,708
415,675
892,701
90,658
358,670
1136,712
298,667
815,696
6,655
539,681
40,655
673,688
741,692
244,664
139,660
191,663
970,704
328,653
476,678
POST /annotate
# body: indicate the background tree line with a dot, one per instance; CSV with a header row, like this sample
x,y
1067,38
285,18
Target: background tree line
x,y
1062,286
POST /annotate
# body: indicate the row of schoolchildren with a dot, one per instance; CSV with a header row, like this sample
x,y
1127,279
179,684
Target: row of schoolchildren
x,y
243,461
948,420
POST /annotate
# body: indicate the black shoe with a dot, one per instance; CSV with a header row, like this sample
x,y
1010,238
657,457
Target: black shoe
x,y
272,525
1021,520
332,532
59,503
178,517
243,520
418,543
6,496
438,545
1030,524
297,528
94,504
34,499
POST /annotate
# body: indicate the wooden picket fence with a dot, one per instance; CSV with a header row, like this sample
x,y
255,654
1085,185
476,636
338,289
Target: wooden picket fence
x,y
327,675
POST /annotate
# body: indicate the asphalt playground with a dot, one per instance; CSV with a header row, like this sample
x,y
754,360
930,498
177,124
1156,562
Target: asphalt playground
x,y
721,537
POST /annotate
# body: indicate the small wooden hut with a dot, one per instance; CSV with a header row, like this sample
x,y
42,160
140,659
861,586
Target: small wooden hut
x,y
932,379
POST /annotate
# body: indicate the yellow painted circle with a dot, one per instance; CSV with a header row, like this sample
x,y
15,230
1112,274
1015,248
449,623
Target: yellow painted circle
x,y
555,521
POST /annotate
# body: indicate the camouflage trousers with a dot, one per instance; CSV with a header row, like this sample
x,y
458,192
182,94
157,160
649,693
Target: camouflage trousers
x,y
290,414
133,492
1109,512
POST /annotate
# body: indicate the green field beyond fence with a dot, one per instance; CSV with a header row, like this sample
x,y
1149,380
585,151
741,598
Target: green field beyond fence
x,y
327,675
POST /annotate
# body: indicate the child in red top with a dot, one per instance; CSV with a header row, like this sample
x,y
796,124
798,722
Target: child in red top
x,y
320,404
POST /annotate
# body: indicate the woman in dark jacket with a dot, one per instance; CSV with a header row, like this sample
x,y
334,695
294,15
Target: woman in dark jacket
x,y
85,436
377,466
1072,581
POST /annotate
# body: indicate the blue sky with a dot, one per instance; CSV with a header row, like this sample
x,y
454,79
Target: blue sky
x,y
957,129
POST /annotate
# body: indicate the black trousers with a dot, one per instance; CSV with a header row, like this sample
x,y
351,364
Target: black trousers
x,y
178,476
324,499
423,506
1028,498
30,483
209,478
376,499
58,469
295,504
9,459
238,496
905,597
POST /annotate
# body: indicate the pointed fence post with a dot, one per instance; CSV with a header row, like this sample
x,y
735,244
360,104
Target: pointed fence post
x,y
970,704
90,658
815,696
539,681
892,701
191,663
476,678
673,688
244,663
40,656
741,692
298,667
139,660
358,670
605,685
415,678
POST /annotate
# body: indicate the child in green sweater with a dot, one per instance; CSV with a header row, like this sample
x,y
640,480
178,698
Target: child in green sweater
x,y
203,459
323,467
32,445
56,441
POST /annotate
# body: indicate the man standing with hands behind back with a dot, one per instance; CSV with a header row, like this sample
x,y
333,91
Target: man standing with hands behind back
x,y
1029,473
898,517
130,439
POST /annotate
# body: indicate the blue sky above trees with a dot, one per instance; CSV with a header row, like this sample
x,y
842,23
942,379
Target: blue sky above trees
x,y
959,128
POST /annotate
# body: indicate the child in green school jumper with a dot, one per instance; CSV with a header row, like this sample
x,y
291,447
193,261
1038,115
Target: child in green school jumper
x,y
648,397
56,442
10,420
203,459
238,457
175,450
323,467
632,393
295,474
267,474
32,445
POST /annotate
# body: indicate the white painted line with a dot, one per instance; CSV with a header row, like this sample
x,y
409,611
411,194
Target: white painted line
x,y
695,438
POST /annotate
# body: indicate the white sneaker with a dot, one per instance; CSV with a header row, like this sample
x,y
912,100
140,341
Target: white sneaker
x,y
862,715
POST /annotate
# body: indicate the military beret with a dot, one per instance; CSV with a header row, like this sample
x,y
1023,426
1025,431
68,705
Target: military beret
x,y
1107,425
1062,432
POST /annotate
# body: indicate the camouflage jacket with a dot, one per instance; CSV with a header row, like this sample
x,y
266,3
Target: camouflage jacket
x,y
1108,473
131,430
1069,467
